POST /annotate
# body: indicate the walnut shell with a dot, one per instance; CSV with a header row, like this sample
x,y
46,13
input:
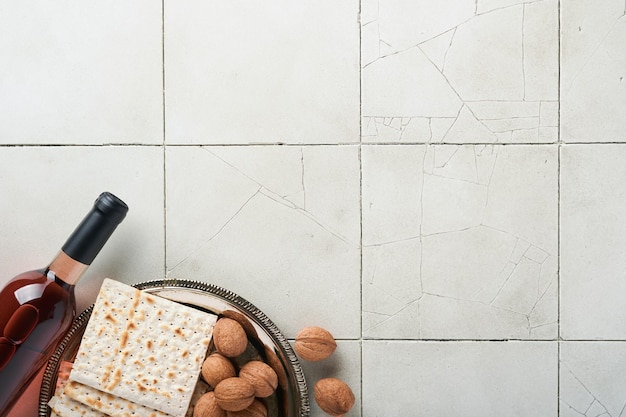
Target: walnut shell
x,y
274,362
217,368
314,344
244,321
229,337
256,409
207,407
234,394
333,396
261,376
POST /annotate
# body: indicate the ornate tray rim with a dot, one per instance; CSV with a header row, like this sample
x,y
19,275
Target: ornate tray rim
x,y
49,378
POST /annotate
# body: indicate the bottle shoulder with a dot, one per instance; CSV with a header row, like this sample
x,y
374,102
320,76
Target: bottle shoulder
x,y
35,276
33,285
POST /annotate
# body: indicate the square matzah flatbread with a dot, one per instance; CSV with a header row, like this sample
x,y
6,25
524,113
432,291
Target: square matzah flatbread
x,y
107,403
119,407
143,348
64,406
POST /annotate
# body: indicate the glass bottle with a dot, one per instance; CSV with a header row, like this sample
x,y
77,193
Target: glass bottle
x,y
38,307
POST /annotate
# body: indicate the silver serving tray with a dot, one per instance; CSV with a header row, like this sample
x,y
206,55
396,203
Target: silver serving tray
x,y
266,341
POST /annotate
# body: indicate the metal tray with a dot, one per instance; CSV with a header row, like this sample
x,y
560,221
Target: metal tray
x,y
265,341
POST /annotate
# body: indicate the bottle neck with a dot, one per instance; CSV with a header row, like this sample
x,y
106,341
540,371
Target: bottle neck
x,y
67,269
92,233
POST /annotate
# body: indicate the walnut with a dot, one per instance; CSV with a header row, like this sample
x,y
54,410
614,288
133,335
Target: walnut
x,y
314,344
216,368
229,337
207,407
256,409
234,394
333,396
261,376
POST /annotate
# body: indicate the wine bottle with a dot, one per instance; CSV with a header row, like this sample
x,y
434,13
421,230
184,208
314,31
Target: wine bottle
x,y
38,307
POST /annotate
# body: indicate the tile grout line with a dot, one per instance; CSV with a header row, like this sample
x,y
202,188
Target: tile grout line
x,y
520,340
558,217
360,151
164,140
163,68
560,144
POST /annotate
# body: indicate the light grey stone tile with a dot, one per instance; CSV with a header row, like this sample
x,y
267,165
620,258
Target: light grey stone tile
x,y
593,241
81,72
243,218
460,241
442,71
247,72
592,379
593,58
459,378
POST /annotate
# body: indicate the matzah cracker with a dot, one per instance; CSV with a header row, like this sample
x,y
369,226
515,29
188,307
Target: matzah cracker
x,y
107,403
64,406
143,348
119,407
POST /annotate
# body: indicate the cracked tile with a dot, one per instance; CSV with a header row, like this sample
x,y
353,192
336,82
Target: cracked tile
x,y
474,235
394,26
523,195
391,289
392,86
243,216
391,193
484,6
451,379
498,33
592,79
252,163
593,240
292,76
592,379
420,64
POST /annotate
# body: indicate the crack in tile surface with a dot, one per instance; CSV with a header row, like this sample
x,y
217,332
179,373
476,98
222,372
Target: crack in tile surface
x,y
474,128
217,233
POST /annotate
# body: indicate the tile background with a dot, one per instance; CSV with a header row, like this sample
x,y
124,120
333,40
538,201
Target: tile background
x,y
438,183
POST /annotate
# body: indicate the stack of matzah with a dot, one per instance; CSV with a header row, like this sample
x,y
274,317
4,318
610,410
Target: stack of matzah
x,y
140,355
